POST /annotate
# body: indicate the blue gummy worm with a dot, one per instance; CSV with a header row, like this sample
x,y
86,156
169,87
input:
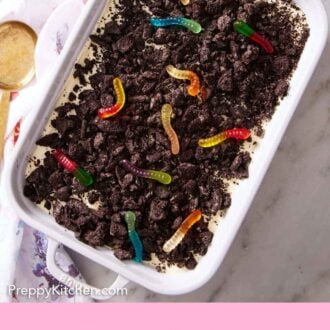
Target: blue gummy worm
x,y
174,20
163,22
137,244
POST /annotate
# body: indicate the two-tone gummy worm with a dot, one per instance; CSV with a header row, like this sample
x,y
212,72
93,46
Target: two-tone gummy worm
x,y
236,133
194,87
130,219
182,231
81,175
166,121
159,176
247,31
189,24
105,113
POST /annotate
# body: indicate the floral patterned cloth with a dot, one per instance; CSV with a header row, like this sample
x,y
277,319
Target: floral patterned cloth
x,y
22,249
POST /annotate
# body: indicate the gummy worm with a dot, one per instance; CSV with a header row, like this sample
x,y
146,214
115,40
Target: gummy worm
x,y
81,175
179,235
130,219
191,25
159,176
246,30
236,133
120,97
166,121
194,87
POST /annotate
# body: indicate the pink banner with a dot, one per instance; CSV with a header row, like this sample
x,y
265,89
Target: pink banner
x,y
167,316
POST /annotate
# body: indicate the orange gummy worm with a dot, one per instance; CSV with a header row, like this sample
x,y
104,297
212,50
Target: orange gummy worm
x,y
194,87
179,235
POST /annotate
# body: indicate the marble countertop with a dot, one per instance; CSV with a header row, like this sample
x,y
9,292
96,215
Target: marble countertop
x,y
282,251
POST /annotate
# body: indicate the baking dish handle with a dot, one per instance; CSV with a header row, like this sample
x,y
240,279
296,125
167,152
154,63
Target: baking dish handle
x,y
116,288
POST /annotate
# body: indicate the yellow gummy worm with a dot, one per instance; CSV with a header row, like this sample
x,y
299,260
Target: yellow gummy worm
x,y
120,92
212,141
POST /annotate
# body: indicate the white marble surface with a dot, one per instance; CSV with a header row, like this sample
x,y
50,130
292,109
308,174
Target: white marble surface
x,y
282,251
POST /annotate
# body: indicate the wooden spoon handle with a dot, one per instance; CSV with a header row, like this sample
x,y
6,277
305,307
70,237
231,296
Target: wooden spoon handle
x,y
4,108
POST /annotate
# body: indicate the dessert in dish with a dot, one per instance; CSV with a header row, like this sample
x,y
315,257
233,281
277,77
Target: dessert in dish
x,y
147,88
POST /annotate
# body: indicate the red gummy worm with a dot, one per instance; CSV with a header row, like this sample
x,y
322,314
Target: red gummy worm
x,y
64,161
108,112
238,133
263,42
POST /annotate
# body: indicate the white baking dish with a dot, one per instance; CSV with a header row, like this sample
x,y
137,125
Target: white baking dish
x,y
172,282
